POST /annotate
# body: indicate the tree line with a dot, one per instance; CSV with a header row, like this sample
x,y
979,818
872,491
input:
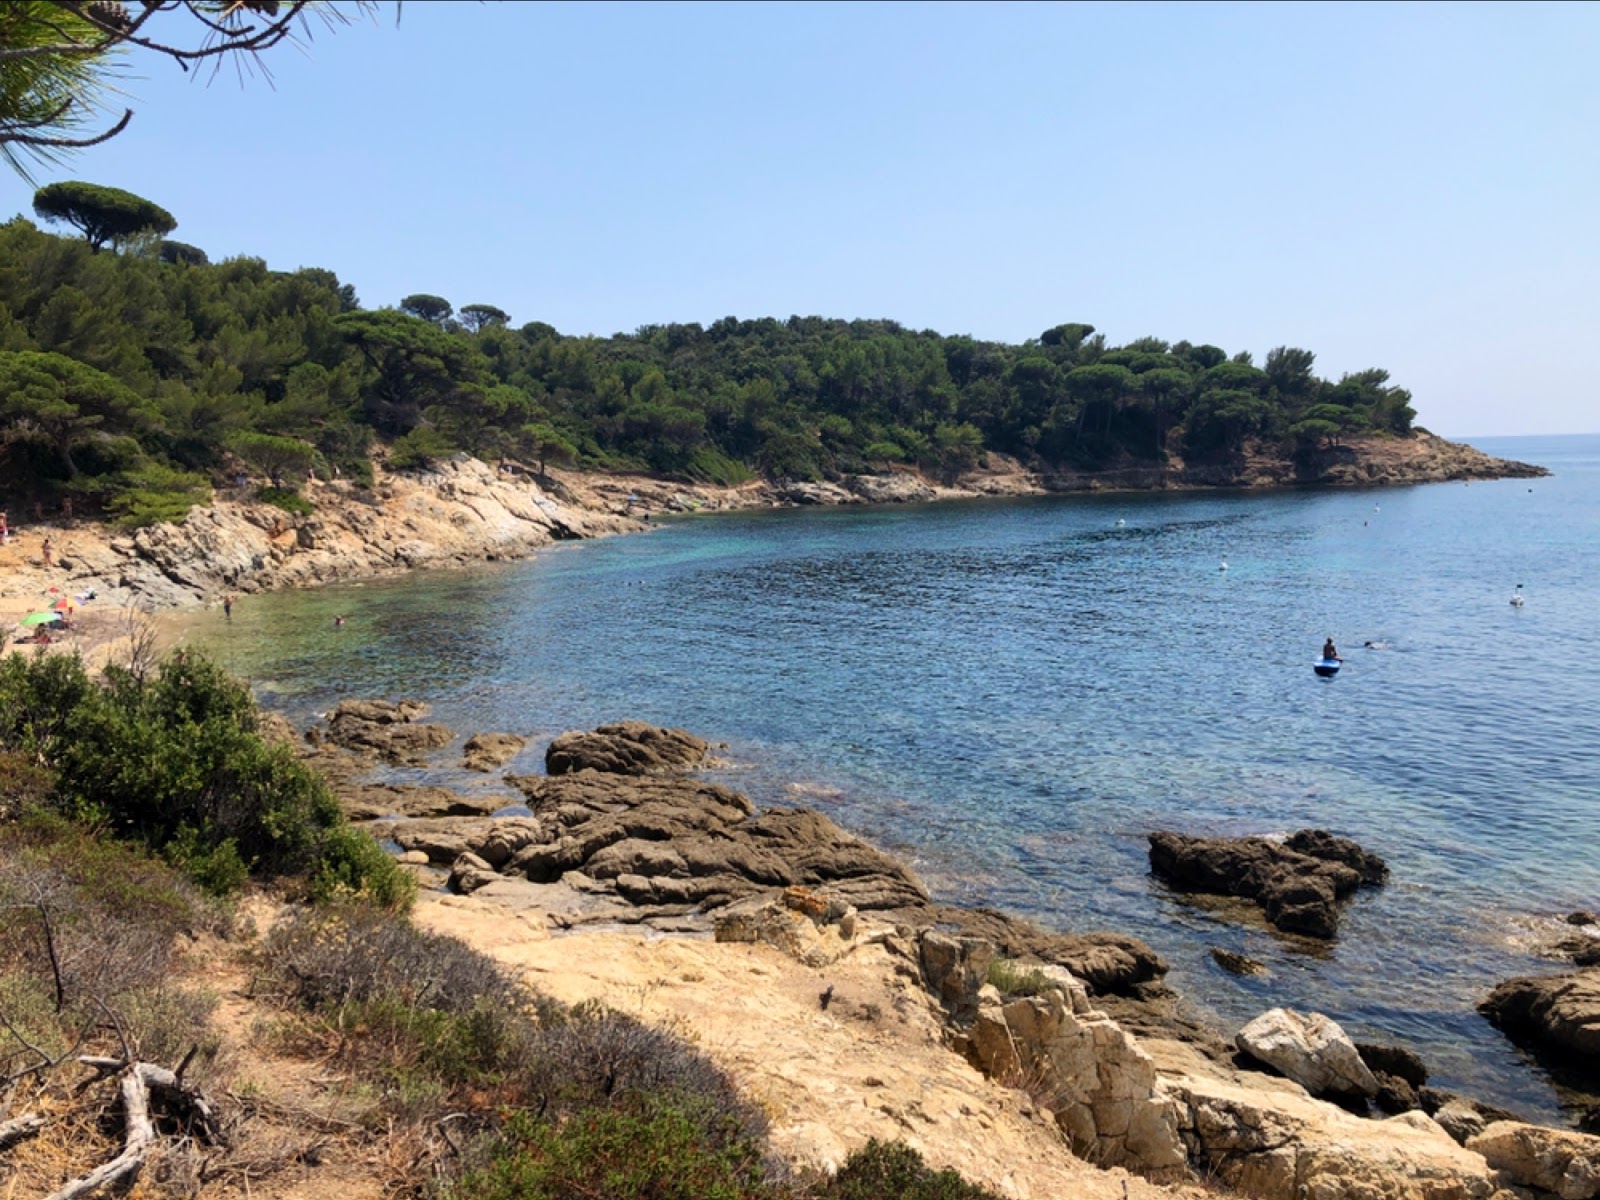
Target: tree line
x,y
134,374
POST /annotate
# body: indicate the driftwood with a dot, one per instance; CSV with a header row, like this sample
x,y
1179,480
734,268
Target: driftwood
x,y
141,1083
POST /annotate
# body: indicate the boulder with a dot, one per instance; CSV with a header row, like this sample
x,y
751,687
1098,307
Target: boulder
x,y
1310,1049
389,729
490,751
1552,1160
1299,883
625,748
1557,1014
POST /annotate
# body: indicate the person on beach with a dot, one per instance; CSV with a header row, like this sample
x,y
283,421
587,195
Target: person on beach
x,y
338,620
45,551
227,606
5,531
1330,652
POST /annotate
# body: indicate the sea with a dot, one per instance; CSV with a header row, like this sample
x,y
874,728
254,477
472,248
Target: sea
x,y
1013,693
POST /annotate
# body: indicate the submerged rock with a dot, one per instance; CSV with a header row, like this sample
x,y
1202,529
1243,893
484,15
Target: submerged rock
x,y
1299,883
1237,964
488,751
1557,1014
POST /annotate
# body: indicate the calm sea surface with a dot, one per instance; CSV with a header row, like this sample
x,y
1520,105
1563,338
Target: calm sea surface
x,y
1012,694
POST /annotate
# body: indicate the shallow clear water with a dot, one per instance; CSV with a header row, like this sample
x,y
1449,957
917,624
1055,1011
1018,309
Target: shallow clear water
x,y
1014,693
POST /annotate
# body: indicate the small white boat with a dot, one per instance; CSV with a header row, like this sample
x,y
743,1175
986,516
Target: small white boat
x,y
1517,600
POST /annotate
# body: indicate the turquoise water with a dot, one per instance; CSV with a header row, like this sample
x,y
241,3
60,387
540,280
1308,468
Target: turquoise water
x,y
1013,693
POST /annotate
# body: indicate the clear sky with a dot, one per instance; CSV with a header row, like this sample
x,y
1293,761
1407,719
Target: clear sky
x,y
1415,187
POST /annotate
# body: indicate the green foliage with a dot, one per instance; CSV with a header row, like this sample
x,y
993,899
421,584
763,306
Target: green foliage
x,y
173,760
435,309
653,1146
287,499
101,214
894,1171
420,448
149,493
1017,979
350,865
43,90
113,364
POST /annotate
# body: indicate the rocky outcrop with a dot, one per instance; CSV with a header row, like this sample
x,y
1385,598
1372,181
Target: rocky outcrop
x,y
1361,462
1299,882
1109,963
625,748
810,927
1310,1049
1556,1161
1262,1136
387,728
1400,1073
490,751
1557,1014
367,801
1089,1072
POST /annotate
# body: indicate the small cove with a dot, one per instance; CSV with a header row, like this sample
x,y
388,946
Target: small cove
x,y
1011,694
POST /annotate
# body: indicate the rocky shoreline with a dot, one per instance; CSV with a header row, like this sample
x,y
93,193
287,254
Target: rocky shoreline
x,y
461,512
624,832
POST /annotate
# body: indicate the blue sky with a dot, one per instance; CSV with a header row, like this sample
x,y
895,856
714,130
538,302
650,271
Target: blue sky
x,y
1412,187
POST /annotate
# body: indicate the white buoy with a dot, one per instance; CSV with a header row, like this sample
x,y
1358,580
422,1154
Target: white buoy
x,y
1223,566
1120,522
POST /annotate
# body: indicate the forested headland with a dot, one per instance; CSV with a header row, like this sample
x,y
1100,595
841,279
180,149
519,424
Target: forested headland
x,y
135,374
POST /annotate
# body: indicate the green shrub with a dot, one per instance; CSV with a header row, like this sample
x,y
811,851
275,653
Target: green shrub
x,y
419,448
151,493
1018,979
350,865
173,759
287,499
894,1171
656,1146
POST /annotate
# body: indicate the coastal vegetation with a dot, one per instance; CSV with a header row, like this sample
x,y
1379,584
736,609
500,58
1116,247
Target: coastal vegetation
x,y
134,810
169,756
134,381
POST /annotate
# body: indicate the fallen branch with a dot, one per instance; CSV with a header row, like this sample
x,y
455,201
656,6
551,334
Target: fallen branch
x,y
140,1083
18,1128
136,1144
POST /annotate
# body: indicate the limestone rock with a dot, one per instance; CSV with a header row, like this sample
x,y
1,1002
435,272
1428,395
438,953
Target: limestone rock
x,y
1101,1086
1557,1014
625,748
955,968
1265,1138
895,487
1298,883
489,751
1552,1160
769,919
1310,1049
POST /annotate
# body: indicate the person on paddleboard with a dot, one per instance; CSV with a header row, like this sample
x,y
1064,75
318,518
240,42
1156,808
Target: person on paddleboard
x,y
1330,652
